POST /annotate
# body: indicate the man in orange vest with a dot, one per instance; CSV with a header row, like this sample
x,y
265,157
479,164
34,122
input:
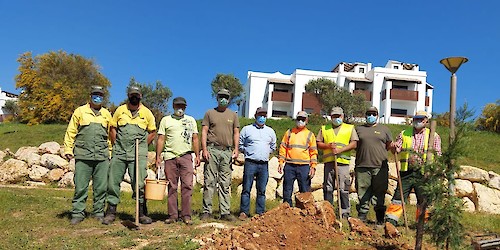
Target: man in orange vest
x,y
413,144
337,139
298,156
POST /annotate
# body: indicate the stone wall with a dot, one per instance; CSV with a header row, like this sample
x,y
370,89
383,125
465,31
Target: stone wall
x,y
479,189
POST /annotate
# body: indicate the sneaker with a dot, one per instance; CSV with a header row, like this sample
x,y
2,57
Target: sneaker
x,y
187,220
228,217
145,220
76,220
243,216
206,216
170,220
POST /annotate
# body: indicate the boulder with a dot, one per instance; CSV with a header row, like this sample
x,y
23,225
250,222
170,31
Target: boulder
x,y
2,155
125,187
270,189
494,180
71,166
240,160
25,150
13,171
49,148
33,159
318,195
488,199
473,174
279,189
54,175
36,184
51,161
67,180
469,206
198,172
463,188
151,160
37,172
273,168
317,180
393,173
237,175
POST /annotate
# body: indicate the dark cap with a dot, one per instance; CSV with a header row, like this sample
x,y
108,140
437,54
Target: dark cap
x,y
179,100
372,109
223,92
302,114
260,110
337,111
97,89
134,90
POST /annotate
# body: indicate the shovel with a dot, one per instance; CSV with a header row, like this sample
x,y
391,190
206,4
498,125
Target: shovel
x,y
129,224
337,177
400,184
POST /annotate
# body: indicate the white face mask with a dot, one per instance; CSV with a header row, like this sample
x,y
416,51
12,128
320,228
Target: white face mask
x,y
179,112
337,121
418,125
300,123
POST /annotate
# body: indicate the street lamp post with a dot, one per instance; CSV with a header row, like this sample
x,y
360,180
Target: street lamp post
x,y
452,64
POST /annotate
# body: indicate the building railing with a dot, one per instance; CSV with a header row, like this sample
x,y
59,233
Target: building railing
x,y
366,93
401,94
282,96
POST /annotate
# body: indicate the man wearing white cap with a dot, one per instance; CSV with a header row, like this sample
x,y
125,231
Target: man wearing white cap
x,y
413,144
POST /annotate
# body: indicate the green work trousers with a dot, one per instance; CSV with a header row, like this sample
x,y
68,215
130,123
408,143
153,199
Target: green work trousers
x,y
117,170
371,184
218,171
86,170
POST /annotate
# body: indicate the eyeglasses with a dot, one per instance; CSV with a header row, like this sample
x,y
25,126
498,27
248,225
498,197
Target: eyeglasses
x,y
371,114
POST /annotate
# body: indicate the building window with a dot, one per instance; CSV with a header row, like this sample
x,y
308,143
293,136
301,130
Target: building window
x,y
399,112
361,70
395,67
399,87
277,113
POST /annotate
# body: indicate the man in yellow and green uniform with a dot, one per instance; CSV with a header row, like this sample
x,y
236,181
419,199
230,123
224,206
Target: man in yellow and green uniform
x,y
86,140
337,138
413,144
131,121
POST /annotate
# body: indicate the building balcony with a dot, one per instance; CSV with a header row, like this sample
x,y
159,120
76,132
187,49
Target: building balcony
x,y
366,93
401,94
310,103
281,96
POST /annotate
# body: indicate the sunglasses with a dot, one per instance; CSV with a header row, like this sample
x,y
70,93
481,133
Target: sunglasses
x,y
301,119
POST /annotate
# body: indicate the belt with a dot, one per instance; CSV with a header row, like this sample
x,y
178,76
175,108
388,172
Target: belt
x,y
219,147
255,161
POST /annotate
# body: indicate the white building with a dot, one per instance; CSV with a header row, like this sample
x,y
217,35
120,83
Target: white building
x,y
398,90
5,96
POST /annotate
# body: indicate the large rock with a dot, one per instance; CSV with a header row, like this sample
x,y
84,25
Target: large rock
x,y
469,206
67,180
317,180
198,172
237,175
270,189
463,188
488,199
2,155
49,148
273,168
54,175
494,180
13,171
393,173
51,161
125,187
71,166
318,195
279,189
151,160
473,174
25,150
37,172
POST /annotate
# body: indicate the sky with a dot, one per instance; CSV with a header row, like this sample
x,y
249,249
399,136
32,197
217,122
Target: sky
x,y
184,44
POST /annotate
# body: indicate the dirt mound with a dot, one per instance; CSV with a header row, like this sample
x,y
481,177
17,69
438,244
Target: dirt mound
x,y
282,227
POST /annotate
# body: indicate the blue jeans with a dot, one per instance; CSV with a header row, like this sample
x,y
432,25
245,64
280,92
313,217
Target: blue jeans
x,y
260,172
295,172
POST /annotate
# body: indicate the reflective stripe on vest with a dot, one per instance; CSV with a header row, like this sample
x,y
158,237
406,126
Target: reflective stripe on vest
x,y
297,147
407,148
342,139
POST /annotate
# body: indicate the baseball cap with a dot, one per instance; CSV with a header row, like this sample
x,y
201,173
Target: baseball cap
x,y
372,109
337,111
223,92
421,114
134,90
302,114
96,89
260,110
179,100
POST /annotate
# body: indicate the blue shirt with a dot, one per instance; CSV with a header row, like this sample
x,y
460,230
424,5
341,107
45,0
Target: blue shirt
x,y
257,142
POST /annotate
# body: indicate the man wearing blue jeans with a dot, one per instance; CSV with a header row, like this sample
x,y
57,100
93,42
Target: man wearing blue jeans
x,y
257,141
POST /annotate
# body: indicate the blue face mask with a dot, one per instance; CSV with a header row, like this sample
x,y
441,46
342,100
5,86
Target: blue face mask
x,y
337,121
261,120
97,99
371,119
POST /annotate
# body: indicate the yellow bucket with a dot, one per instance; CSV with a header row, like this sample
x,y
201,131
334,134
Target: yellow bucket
x,y
155,189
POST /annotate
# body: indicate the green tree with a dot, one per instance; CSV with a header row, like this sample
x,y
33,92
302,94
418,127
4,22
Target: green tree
x,y
490,118
154,96
231,83
12,108
331,95
54,84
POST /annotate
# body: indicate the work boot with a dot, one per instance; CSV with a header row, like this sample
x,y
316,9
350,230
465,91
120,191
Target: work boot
x,y
110,215
143,218
205,217
362,217
76,220
380,214
228,217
